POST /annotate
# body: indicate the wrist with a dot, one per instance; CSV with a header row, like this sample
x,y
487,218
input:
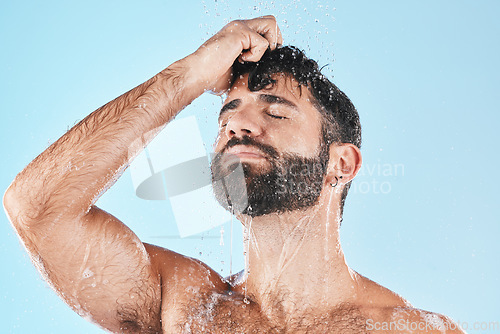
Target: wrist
x,y
181,83
192,70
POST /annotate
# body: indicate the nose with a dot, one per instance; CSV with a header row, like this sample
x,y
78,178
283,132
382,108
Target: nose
x,y
243,123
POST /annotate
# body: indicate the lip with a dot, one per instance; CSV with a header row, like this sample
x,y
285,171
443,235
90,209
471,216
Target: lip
x,y
245,152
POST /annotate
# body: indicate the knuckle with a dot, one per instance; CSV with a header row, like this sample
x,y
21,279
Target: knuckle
x,y
234,24
271,17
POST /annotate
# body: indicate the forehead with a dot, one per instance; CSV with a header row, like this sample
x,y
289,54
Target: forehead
x,y
284,86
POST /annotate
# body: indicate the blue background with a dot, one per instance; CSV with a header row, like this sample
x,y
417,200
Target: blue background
x,y
421,218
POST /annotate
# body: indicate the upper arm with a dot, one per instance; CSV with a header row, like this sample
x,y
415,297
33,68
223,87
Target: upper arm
x,y
100,268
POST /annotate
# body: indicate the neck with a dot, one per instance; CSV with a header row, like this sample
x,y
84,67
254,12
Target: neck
x,y
294,261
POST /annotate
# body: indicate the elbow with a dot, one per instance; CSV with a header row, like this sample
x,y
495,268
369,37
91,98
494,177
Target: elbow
x,y
9,200
25,210
13,207
10,203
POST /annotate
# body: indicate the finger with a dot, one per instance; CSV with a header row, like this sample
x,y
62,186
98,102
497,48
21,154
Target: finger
x,y
274,36
275,32
280,37
267,27
255,48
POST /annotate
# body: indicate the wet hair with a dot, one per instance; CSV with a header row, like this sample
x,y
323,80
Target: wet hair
x,y
340,120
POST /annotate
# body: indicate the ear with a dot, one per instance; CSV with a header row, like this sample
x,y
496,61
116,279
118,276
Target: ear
x,y
345,162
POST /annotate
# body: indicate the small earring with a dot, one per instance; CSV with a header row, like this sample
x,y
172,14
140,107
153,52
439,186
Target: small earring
x,y
336,181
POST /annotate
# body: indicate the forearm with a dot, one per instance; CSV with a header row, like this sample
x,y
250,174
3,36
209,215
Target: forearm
x,y
69,176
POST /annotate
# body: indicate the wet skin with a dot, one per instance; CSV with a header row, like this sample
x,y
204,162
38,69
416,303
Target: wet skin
x,y
297,280
238,304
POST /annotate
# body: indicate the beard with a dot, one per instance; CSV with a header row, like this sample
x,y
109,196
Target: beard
x,y
292,182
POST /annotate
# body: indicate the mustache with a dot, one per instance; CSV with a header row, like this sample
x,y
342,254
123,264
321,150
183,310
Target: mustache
x,y
249,141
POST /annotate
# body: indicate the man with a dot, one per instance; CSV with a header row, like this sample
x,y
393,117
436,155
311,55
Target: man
x,y
297,139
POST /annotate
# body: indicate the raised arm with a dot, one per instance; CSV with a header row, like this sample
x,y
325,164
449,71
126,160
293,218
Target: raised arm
x,y
93,261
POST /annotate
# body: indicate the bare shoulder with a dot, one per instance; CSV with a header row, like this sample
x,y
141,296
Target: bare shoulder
x,y
176,269
388,312
184,281
376,296
179,272
408,319
413,319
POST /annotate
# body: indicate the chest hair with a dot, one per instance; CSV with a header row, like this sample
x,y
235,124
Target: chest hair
x,y
223,313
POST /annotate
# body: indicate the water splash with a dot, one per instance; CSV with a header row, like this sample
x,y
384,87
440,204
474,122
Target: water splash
x,y
248,237
231,245
221,241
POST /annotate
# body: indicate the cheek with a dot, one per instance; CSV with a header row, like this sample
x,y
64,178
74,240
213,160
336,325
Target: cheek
x,y
304,141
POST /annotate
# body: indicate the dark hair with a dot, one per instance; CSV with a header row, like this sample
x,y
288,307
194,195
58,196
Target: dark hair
x,y
340,119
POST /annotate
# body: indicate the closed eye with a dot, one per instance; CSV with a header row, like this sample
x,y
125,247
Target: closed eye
x,y
276,116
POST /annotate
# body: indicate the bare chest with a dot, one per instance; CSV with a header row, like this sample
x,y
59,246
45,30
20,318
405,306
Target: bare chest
x,y
220,313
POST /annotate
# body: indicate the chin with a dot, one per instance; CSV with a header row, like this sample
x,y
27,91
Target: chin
x,y
252,169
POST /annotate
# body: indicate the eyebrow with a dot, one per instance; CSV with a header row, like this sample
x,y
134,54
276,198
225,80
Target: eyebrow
x,y
266,98
271,99
229,106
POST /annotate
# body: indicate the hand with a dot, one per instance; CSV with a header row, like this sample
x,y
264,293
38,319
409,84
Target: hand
x,y
245,40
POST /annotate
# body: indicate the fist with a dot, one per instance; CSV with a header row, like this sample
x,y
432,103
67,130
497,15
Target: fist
x,y
245,40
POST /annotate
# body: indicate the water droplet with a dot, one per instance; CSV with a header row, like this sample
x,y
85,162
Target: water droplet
x,y
221,242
